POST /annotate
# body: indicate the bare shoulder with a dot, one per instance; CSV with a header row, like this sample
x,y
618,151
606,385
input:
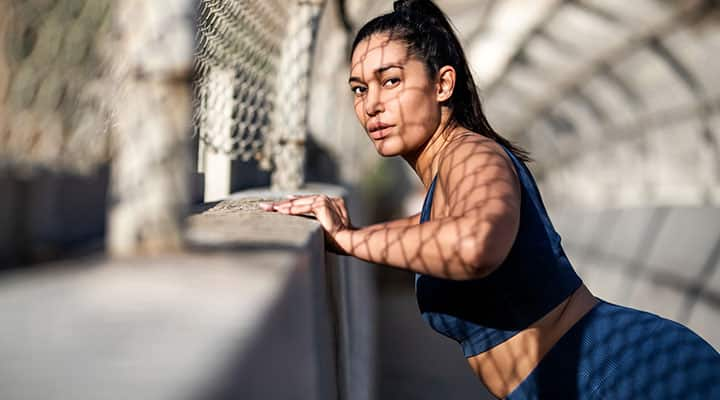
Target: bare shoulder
x,y
474,169
474,154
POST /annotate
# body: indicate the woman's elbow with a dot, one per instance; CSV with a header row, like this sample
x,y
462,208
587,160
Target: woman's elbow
x,y
478,260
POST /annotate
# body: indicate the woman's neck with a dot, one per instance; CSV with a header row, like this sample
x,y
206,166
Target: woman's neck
x,y
425,161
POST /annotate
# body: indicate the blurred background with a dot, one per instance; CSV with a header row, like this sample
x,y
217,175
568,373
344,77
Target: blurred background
x,y
125,125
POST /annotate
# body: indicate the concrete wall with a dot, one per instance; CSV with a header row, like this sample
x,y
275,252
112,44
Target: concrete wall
x,y
255,309
50,215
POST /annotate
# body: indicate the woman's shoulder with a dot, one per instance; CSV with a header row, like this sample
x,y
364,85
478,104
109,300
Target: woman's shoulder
x,y
478,181
472,153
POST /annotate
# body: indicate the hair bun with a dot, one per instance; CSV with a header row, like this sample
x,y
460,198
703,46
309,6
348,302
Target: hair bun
x,y
415,6
401,5
425,9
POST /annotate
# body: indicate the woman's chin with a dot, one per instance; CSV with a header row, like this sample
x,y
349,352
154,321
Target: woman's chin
x,y
386,153
386,149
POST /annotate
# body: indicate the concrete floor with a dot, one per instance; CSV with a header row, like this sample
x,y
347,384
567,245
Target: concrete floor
x,y
416,362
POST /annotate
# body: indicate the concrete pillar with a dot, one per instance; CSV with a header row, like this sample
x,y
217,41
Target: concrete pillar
x,y
151,53
291,110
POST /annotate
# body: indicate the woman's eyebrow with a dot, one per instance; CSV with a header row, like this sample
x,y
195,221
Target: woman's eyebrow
x,y
377,71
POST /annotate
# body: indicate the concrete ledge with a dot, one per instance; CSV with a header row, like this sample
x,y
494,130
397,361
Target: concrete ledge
x,y
249,312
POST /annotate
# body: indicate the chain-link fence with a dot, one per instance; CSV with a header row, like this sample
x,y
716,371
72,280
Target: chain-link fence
x,y
253,65
92,83
85,84
53,86
238,55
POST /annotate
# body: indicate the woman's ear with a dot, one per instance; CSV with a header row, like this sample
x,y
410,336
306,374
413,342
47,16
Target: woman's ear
x,y
445,83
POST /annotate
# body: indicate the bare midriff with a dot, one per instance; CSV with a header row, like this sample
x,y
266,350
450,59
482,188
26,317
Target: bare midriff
x,y
505,366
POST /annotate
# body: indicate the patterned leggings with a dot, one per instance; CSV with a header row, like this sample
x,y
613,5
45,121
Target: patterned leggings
x,y
616,352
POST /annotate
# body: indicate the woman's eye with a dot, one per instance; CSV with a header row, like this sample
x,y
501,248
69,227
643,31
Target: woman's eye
x,y
358,90
391,82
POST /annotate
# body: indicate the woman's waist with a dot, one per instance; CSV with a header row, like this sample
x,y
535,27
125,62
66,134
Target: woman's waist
x,y
507,364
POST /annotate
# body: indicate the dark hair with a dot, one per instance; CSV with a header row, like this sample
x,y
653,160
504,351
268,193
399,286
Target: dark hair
x,y
429,37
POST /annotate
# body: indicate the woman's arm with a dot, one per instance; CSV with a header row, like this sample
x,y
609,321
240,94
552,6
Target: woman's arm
x,y
477,227
397,223
450,248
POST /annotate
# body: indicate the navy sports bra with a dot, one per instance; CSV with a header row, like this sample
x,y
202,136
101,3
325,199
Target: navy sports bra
x,y
535,277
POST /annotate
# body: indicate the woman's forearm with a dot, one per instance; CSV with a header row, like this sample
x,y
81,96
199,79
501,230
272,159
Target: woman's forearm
x,y
396,223
451,248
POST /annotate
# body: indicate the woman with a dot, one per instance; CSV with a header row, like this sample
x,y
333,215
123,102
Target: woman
x,y
490,271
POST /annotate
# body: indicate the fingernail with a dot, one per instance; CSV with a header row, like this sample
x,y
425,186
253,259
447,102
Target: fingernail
x,y
265,206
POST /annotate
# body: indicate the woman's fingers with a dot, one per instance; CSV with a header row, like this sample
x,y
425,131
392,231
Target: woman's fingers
x,y
291,199
319,205
340,206
310,199
293,205
309,204
270,206
301,203
329,211
302,200
295,209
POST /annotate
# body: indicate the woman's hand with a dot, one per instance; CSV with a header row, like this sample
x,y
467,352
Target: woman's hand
x,y
329,211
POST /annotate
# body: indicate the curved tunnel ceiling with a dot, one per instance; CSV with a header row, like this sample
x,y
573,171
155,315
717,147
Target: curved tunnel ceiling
x,y
585,72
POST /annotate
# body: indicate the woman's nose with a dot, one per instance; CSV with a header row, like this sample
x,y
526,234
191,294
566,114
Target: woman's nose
x,y
373,103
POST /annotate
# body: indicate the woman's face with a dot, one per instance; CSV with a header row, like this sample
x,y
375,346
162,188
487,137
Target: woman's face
x,y
394,98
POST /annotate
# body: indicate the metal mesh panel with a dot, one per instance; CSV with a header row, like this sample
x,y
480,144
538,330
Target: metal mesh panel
x,y
238,54
52,83
293,85
85,83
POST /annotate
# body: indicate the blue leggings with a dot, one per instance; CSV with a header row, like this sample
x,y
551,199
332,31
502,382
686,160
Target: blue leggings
x,y
616,352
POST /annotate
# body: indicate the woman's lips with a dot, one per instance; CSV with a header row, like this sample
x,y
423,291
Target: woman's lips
x,y
381,132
